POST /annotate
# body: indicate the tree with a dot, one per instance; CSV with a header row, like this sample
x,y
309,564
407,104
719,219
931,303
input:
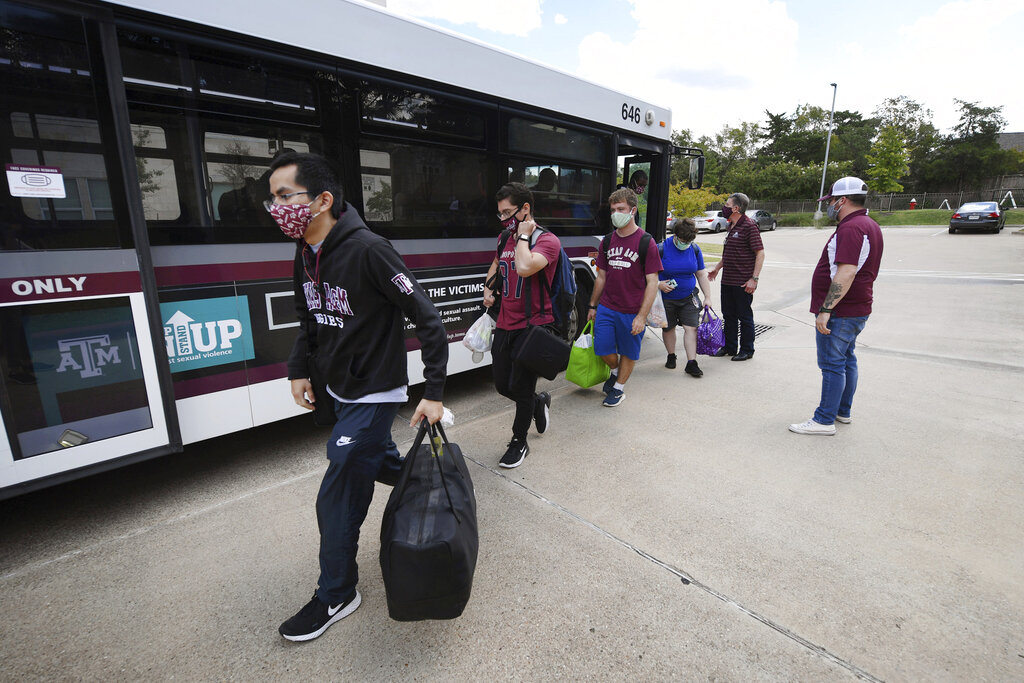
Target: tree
x,y
238,169
979,124
149,182
683,202
680,170
971,154
889,161
379,205
920,137
851,140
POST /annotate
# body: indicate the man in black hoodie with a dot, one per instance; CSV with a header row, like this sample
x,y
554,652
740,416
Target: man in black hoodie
x,y
352,294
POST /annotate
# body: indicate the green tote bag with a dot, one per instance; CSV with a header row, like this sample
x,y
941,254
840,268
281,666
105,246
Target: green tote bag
x,y
585,369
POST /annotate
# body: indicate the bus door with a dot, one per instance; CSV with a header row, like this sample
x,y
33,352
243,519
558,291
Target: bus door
x,y
80,383
645,171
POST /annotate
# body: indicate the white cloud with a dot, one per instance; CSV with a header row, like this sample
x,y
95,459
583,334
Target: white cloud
x,y
561,19
678,57
512,17
966,50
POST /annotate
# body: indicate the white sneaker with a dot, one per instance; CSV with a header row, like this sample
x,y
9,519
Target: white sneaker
x,y
812,427
844,420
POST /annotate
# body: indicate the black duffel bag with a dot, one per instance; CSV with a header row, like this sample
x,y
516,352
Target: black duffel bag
x,y
540,348
428,537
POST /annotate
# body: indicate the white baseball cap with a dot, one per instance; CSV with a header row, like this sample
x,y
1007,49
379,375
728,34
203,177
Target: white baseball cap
x,y
846,186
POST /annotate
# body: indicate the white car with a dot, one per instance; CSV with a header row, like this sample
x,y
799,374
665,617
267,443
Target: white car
x,y
711,220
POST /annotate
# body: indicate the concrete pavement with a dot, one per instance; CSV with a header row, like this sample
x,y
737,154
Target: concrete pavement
x,y
683,535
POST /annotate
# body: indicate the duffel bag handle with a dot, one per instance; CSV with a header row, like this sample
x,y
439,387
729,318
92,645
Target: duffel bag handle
x,y
436,451
410,457
423,430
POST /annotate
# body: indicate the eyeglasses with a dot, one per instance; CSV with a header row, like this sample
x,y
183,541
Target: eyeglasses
x,y
508,213
267,203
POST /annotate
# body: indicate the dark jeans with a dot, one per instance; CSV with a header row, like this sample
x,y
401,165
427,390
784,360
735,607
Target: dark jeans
x,y
513,381
360,450
736,312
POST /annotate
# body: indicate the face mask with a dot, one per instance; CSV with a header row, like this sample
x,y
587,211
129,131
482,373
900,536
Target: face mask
x,y
639,190
833,211
512,222
726,211
680,245
621,220
293,219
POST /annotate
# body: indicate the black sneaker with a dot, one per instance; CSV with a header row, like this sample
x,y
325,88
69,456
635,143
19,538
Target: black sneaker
x,y
693,370
315,618
541,411
516,453
671,362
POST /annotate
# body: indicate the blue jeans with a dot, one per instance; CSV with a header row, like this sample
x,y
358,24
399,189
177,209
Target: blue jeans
x,y
838,366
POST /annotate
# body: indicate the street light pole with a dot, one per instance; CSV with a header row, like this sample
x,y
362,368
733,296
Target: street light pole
x,y
828,143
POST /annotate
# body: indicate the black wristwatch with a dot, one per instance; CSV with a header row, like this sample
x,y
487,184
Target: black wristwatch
x,y
594,307
824,310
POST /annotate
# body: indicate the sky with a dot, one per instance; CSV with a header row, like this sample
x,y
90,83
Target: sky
x,y
721,62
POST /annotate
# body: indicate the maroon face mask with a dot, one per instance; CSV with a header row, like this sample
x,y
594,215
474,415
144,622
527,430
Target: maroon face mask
x,y
726,211
512,222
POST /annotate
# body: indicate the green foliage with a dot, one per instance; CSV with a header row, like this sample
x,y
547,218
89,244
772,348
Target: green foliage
x,y
683,202
889,161
897,146
971,154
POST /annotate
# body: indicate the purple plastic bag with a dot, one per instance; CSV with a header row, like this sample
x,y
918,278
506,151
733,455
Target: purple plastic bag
x,y
710,333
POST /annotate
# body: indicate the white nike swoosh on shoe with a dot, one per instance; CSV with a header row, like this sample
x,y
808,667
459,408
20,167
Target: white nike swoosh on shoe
x,y
331,611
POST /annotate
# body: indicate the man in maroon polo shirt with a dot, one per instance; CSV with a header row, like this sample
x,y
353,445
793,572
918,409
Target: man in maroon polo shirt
x,y
742,258
841,297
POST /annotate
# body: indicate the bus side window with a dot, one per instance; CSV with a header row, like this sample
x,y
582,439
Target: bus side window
x,y
566,196
44,54
420,191
207,125
424,171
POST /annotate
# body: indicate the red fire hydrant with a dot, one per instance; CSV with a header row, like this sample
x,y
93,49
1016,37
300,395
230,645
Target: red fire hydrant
x,y
913,204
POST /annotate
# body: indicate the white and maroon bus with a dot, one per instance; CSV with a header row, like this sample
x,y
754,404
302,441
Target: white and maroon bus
x,y
145,294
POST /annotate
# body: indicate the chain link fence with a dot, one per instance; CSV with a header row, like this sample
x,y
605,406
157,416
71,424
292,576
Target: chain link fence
x,y
1007,197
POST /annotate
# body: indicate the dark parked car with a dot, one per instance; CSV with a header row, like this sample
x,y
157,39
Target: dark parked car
x,y
978,216
765,221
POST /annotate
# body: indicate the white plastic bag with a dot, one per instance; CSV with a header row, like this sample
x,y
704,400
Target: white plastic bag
x,y
479,337
657,316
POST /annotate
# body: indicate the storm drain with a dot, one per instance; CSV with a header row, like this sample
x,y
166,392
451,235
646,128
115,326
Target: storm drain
x,y
762,329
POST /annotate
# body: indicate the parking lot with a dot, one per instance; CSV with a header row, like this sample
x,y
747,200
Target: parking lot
x,y
684,535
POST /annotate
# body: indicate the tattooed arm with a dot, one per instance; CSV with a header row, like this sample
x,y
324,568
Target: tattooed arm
x,y
845,272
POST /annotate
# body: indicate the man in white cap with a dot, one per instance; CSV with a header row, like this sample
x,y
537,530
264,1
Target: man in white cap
x,y
841,296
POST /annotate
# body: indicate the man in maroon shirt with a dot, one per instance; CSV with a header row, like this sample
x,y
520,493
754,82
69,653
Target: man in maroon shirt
x,y
528,251
841,297
623,293
742,258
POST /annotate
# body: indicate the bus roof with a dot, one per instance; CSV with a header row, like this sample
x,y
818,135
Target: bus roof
x,y
369,34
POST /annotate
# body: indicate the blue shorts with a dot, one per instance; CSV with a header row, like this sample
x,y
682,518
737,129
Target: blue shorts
x,y
613,334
